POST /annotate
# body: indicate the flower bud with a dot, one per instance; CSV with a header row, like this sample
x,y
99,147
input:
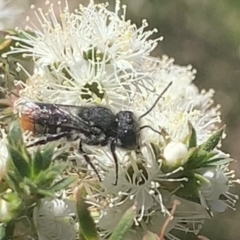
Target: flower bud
x,y
3,154
175,154
9,205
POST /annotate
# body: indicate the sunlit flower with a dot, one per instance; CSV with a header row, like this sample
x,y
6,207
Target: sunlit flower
x,y
214,190
98,87
140,180
188,217
90,33
174,119
53,219
180,104
93,54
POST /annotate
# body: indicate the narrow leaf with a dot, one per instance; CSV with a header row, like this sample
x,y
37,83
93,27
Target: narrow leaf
x,y
213,141
13,182
46,193
86,222
125,224
217,162
37,163
197,157
63,183
9,230
55,170
15,135
47,156
30,183
156,150
2,231
192,142
43,159
19,162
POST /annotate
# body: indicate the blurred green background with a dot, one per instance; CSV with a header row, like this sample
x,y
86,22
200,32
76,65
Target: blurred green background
x,y
205,34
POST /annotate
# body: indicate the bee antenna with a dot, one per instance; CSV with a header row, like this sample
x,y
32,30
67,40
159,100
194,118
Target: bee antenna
x,y
156,101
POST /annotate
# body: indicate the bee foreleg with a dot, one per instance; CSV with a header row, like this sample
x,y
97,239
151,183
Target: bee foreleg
x,y
113,148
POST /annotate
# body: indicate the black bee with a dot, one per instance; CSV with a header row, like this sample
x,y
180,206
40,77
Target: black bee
x,y
92,124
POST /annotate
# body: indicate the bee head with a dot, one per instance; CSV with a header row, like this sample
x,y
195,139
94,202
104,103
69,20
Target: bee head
x,y
128,130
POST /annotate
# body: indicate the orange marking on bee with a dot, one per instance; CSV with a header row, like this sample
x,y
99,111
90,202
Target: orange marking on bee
x,y
26,123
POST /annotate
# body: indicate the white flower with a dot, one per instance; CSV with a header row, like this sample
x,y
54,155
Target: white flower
x,y
53,219
181,103
92,33
3,153
10,12
175,154
188,217
92,46
214,191
175,119
98,87
140,180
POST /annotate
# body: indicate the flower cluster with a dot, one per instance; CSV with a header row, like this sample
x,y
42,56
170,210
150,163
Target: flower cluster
x,y
95,57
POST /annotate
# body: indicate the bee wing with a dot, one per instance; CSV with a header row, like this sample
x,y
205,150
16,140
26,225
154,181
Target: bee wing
x,y
63,116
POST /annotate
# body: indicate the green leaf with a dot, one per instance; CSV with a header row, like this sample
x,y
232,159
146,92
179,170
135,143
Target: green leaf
x,y
124,224
15,135
192,142
47,156
217,162
87,226
30,183
63,183
19,162
2,231
42,159
45,193
156,150
5,43
55,170
197,156
150,236
9,230
13,182
58,168
37,163
213,141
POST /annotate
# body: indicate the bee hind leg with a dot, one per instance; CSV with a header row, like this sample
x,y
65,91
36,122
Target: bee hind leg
x,y
49,138
88,160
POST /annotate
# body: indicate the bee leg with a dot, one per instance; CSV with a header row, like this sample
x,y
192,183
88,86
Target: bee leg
x,y
113,148
88,160
49,138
